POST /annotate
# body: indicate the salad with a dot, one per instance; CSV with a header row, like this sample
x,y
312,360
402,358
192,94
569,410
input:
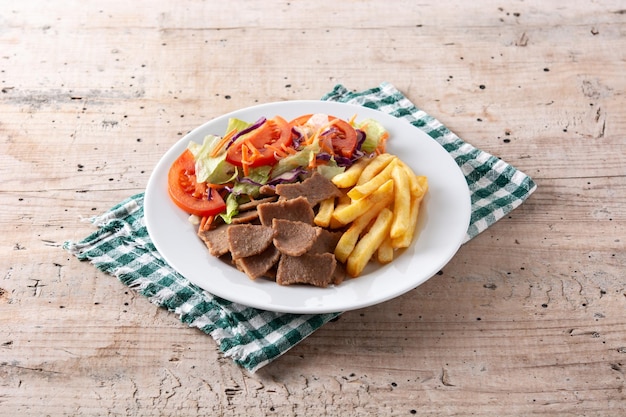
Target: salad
x,y
210,180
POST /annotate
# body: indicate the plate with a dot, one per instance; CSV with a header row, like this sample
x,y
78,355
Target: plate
x,y
444,219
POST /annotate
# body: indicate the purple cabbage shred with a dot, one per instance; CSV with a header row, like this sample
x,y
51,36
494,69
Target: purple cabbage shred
x,y
288,177
297,141
249,129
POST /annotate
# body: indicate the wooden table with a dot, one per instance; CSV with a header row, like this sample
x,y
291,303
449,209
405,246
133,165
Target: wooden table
x,y
528,318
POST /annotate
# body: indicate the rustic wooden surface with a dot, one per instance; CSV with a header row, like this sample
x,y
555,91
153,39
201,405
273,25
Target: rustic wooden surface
x,y
529,317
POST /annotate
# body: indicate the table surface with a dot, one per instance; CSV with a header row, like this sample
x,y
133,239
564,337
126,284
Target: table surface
x,y
527,319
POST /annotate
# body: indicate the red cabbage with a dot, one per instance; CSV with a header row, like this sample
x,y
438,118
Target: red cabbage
x,y
288,177
343,161
323,156
247,180
248,129
360,138
297,141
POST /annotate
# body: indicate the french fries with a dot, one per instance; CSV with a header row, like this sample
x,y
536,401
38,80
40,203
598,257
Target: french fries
x,y
380,211
374,167
356,208
325,212
349,238
373,184
350,176
384,254
368,244
401,204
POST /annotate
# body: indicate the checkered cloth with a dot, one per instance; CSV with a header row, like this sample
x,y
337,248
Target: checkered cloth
x,y
252,337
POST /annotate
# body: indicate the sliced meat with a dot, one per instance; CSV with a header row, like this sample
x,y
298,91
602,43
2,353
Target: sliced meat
x,y
340,274
294,238
311,269
216,240
267,190
259,265
252,204
248,216
326,241
248,239
296,209
315,189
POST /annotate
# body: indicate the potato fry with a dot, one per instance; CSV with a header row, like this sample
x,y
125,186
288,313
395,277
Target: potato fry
x,y
350,237
374,167
350,176
416,190
402,202
325,212
406,238
357,208
369,243
342,201
423,183
384,254
367,188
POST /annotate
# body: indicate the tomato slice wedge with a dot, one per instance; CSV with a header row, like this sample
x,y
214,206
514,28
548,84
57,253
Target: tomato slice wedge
x,y
188,194
342,135
274,133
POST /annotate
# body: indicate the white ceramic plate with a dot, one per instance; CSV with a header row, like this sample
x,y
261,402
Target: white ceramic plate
x,y
444,219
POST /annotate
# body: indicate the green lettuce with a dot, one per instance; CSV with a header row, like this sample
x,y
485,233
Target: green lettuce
x,y
214,170
232,208
373,132
259,175
299,159
330,169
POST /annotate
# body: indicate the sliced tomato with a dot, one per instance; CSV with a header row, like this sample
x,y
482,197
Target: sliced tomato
x,y
341,134
273,133
187,193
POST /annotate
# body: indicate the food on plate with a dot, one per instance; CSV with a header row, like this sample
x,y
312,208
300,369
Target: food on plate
x,y
307,201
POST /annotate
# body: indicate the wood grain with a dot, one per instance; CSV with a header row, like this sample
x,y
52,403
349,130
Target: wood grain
x,y
527,319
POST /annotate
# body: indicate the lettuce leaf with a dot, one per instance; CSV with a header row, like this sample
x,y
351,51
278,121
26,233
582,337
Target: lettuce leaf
x,y
214,170
299,159
251,184
330,169
373,132
232,208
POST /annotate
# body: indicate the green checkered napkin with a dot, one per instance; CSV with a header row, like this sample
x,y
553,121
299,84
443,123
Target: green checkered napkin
x,y
251,337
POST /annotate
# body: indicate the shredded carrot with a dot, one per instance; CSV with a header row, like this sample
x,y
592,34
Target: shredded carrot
x,y
288,149
306,140
352,120
255,153
382,143
222,143
321,130
205,223
326,147
278,152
